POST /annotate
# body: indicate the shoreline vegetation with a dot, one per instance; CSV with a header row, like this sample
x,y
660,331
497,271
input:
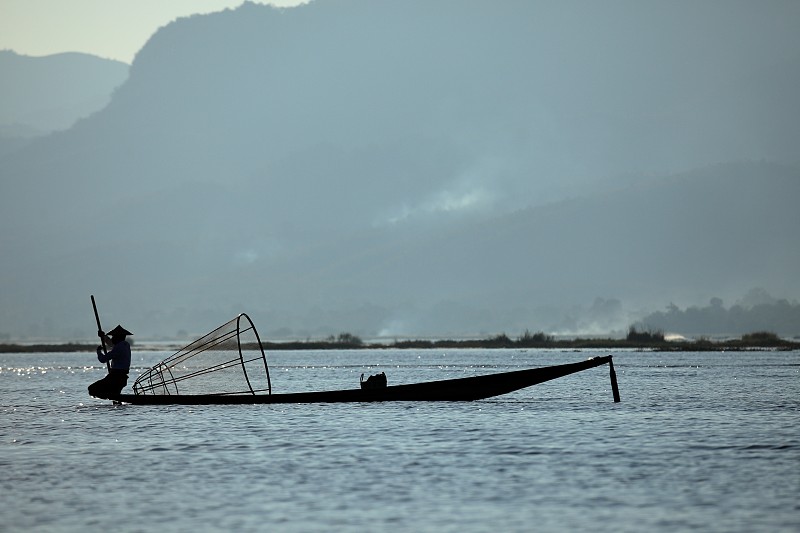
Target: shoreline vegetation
x,y
636,340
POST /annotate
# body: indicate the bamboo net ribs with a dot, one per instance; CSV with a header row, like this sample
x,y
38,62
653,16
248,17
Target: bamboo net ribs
x,y
227,361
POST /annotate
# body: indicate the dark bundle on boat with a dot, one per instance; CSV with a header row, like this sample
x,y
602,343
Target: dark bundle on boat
x,y
378,381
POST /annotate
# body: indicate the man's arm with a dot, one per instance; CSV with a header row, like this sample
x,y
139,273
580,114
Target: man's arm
x,y
102,355
105,339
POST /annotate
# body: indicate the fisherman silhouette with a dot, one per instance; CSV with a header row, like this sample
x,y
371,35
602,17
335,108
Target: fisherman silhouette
x,y
120,358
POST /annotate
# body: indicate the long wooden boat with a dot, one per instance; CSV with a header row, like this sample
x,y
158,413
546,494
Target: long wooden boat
x,y
229,366
460,389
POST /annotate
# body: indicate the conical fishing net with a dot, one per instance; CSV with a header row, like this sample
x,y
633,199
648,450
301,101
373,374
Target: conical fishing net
x,y
228,360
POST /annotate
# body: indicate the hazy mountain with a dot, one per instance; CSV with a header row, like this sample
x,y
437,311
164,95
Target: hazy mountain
x,y
588,264
415,166
43,94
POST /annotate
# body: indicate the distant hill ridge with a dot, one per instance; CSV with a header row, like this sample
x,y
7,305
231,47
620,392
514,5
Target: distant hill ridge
x,y
43,94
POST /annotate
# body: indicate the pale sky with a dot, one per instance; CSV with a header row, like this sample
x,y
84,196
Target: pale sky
x,y
113,29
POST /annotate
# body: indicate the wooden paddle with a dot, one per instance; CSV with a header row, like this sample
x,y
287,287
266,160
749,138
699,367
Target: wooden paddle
x,y
99,329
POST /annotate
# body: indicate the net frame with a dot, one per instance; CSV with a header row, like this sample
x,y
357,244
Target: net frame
x,y
163,379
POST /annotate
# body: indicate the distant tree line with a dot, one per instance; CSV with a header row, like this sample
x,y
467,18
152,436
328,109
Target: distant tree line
x,y
648,336
645,339
781,317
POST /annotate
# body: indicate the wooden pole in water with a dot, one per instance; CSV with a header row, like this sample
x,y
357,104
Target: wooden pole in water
x,y
614,387
99,329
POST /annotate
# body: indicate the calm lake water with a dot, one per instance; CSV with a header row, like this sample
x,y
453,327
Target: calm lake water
x,y
701,441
